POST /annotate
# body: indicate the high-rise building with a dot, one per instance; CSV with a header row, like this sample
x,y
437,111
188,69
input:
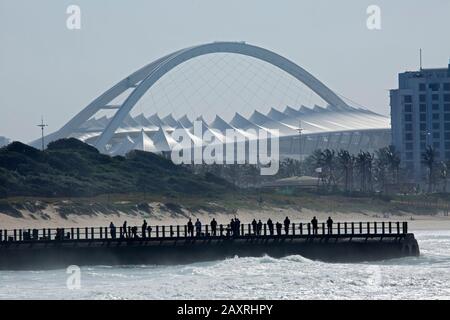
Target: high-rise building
x,y
420,117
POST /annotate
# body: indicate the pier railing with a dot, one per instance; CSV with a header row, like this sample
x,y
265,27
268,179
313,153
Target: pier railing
x,y
183,231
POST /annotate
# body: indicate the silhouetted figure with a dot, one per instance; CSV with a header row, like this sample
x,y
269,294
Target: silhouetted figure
x,y
198,228
134,232
270,226
124,230
190,227
144,229
214,227
232,227
237,223
228,230
315,225
330,225
254,226
59,234
287,223
112,230
279,226
259,227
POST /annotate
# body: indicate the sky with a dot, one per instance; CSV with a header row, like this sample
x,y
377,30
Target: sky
x,y
47,69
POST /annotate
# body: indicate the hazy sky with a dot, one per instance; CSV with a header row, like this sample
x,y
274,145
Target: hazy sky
x,y
47,69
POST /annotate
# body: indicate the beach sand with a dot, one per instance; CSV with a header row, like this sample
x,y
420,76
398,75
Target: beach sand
x,y
50,218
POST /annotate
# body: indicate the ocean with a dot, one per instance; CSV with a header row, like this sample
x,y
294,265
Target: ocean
x,y
294,277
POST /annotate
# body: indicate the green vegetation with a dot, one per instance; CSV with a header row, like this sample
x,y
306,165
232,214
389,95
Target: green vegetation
x,y
70,168
75,178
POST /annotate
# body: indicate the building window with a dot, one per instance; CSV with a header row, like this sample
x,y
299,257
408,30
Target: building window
x,y
423,126
447,146
447,107
436,145
423,98
447,117
409,156
408,107
408,137
423,108
408,117
447,155
435,97
434,86
447,126
409,146
436,126
435,116
435,107
438,154
422,87
436,135
447,86
423,145
408,127
407,99
446,97
447,136
423,117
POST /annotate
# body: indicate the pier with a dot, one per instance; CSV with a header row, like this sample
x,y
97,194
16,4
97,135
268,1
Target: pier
x,y
171,244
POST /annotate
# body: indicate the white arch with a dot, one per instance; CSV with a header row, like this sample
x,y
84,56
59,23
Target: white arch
x,y
143,79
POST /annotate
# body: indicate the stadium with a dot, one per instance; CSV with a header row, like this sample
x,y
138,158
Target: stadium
x,y
300,129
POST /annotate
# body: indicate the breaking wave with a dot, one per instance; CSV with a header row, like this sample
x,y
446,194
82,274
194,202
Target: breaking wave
x,y
293,277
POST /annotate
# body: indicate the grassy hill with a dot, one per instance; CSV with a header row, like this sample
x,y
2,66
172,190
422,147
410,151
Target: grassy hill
x,y
70,168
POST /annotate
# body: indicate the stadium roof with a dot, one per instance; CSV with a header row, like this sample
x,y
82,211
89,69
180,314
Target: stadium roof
x,y
154,133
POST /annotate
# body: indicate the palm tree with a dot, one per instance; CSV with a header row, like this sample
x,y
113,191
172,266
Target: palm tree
x,y
443,174
346,161
393,160
381,163
429,159
364,163
328,164
316,161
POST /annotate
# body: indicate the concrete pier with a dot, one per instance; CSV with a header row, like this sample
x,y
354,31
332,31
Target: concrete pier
x,y
344,242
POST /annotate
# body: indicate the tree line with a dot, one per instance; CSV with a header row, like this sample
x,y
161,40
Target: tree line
x,y
339,170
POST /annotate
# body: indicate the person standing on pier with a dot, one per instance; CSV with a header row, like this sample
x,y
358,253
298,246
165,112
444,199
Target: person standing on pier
x,y
237,223
254,226
330,225
214,227
232,227
315,225
124,229
190,227
198,227
270,226
287,223
134,230
279,227
259,228
112,230
144,229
